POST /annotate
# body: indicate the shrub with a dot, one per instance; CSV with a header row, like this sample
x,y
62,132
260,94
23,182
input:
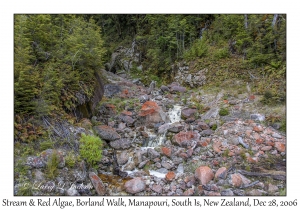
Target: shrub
x,y
90,149
223,112
46,145
51,168
71,159
221,53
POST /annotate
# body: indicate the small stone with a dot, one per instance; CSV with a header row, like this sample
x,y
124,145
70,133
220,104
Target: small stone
x,y
152,154
276,135
170,176
120,144
135,185
221,173
97,183
211,193
266,148
272,188
236,180
227,193
156,188
204,174
166,165
72,192
257,192
166,151
280,147
189,192
258,128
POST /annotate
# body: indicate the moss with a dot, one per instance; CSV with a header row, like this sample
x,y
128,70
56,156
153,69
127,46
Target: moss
x,y
71,159
214,127
91,149
223,112
46,145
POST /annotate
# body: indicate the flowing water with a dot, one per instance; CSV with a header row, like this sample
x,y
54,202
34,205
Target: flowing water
x,y
155,140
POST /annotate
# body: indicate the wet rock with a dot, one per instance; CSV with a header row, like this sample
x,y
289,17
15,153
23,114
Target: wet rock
x,y
106,132
221,173
97,183
204,174
170,176
135,185
120,144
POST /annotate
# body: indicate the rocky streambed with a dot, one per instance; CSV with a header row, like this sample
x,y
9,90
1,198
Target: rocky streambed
x,y
171,141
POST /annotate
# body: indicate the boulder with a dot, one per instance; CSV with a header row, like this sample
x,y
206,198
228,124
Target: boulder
x,y
135,185
188,112
97,183
204,174
120,144
106,132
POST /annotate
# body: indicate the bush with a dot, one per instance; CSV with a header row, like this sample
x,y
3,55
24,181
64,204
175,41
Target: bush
x,y
223,112
90,149
51,168
199,49
221,53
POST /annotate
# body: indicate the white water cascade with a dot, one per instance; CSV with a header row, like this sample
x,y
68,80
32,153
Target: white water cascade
x,y
158,139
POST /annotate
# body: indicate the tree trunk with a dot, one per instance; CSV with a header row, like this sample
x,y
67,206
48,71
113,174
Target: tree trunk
x,y
246,21
274,20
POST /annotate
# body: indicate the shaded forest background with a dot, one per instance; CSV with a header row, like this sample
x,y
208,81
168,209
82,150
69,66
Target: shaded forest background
x,y
56,56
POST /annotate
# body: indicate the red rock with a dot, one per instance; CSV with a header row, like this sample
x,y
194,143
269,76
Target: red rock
x,y
203,143
149,107
270,143
166,151
252,159
216,146
200,189
184,137
135,185
266,148
128,113
204,174
259,141
183,155
170,176
189,192
256,136
280,146
251,97
258,128
236,180
97,183
221,173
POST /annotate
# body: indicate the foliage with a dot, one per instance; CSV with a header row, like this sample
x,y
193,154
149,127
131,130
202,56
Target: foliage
x,y
223,111
71,159
46,145
52,164
90,149
55,59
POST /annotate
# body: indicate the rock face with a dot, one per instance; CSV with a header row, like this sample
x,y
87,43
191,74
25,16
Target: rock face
x,y
204,174
106,132
86,107
135,185
97,183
